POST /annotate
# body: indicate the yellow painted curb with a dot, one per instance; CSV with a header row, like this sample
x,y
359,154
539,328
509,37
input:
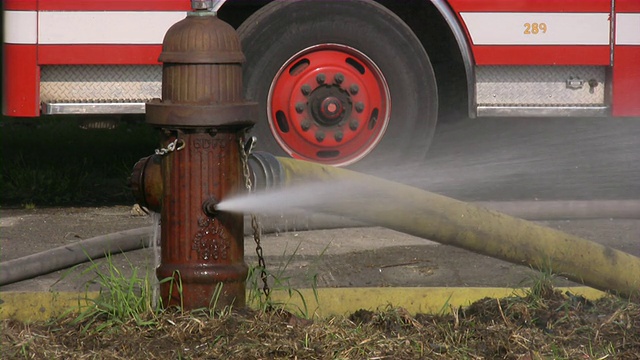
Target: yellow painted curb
x,y
323,302
342,301
39,306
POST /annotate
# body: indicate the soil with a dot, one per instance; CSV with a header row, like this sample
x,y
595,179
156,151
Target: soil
x,y
543,325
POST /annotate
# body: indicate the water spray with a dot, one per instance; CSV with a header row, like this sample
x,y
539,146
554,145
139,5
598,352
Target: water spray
x,y
448,221
438,218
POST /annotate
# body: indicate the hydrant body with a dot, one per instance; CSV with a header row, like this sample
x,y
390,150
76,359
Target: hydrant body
x,y
202,117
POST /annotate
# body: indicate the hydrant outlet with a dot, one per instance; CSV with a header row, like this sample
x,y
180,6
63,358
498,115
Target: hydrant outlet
x,y
146,182
210,207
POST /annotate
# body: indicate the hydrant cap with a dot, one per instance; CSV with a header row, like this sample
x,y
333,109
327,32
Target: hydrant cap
x,y
201,40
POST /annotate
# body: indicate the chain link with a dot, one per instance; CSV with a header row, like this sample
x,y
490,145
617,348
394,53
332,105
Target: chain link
x,y
175,145
245,150
261,263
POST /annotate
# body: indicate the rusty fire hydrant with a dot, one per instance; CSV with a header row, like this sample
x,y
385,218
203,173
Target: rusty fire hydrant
x,y
202,118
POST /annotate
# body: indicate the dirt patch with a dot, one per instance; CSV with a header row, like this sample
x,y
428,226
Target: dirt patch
x,y
545,324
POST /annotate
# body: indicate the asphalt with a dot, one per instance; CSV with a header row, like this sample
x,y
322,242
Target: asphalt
x,y
335,265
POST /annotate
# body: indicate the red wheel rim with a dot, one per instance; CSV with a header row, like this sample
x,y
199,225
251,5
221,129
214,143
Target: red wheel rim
x,y
329,104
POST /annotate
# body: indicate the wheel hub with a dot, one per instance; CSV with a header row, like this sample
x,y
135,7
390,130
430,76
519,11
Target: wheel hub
x,y
329,104
331,108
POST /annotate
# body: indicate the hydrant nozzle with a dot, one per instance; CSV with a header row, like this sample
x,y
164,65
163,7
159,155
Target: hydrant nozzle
x,y
209,207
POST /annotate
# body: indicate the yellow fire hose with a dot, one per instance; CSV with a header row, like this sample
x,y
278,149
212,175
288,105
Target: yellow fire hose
x,y
452,222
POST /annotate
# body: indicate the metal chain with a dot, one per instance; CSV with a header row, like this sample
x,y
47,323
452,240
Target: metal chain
x,y
175,145
261,263
245,150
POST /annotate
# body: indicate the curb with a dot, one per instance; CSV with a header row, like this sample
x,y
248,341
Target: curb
x,y
314,303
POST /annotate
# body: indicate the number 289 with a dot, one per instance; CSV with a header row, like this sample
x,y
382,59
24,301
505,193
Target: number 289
x,y
535,28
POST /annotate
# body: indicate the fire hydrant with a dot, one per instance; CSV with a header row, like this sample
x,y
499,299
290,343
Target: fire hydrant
x,y
202,118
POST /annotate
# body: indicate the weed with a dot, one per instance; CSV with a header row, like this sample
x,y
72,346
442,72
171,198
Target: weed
x,y
446,307
542,286
175,280
29,206
121,298
280,282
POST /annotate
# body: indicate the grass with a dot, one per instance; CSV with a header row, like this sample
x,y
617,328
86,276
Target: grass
x,y
52,161
128,295
603,329
124,296
123,323
279,281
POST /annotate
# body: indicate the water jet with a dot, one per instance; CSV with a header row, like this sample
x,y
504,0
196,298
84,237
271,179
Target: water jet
x,y
448,221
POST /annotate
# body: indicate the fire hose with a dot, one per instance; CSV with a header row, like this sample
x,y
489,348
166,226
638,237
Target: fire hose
x,y
447,221
415,212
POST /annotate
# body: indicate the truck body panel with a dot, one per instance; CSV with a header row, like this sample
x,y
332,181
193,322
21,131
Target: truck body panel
x,y
562,57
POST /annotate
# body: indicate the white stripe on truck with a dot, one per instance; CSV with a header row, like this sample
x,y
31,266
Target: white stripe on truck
x,y
510,28
105,27
20,27
628,29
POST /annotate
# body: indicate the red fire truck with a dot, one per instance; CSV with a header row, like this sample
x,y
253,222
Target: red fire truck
x,y
339,81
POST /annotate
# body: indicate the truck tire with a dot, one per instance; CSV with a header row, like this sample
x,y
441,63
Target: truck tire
x,y
338,82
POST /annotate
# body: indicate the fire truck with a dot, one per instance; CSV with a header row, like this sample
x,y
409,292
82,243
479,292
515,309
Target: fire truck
x,y
339,82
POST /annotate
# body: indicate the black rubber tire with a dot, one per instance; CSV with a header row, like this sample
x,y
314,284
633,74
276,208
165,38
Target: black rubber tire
x,y
282,28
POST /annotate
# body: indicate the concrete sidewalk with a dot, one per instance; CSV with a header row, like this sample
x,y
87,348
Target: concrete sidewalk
x,y
384,266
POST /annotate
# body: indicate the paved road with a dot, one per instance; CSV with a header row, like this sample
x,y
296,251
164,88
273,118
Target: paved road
x,y
531,158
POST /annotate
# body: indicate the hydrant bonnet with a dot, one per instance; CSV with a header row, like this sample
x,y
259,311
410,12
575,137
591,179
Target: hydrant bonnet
x,y
201,40
202,65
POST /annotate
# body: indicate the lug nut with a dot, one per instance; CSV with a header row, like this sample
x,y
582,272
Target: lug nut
x,y
339,78
359,106
353,124
306,89
353,89
321,78
305,125
320,135
300,107
338,136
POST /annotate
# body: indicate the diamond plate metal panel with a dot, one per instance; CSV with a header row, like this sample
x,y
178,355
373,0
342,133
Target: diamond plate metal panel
x,y
100,83
540,85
